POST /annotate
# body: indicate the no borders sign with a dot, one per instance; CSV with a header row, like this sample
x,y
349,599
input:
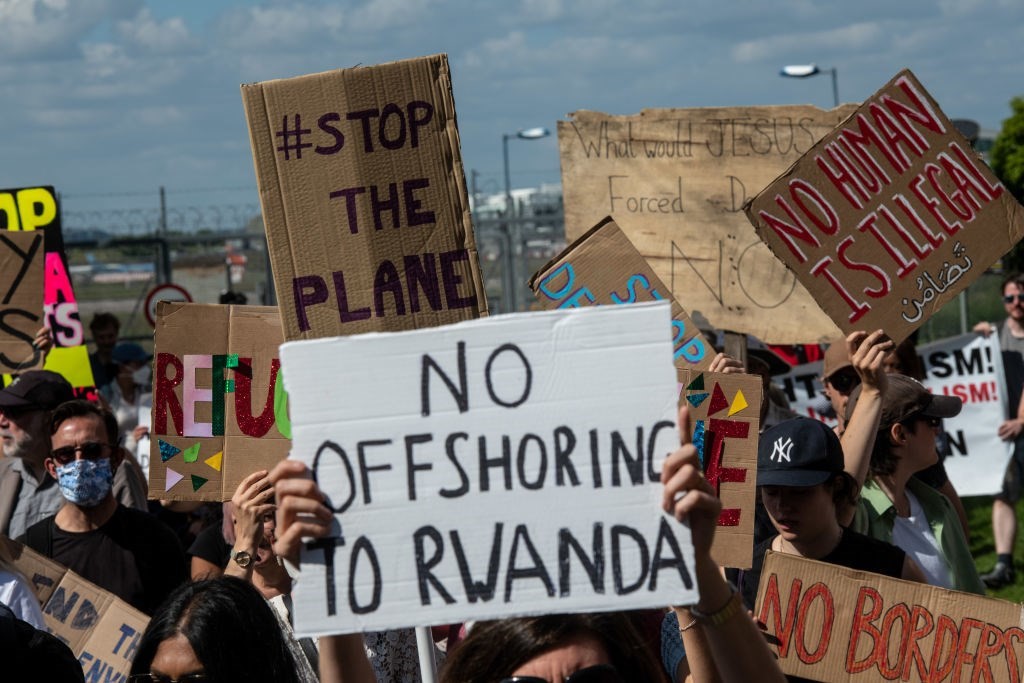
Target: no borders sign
x,y
837,625
364,199
889,216
488,469
675,181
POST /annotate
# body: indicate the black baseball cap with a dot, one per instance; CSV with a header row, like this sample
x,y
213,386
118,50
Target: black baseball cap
x,y
798,452
904,398
36,389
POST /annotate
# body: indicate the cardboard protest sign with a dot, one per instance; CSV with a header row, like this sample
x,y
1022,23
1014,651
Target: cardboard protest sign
x,y
890,216
725,418
102,630
490,468
833,624
967,366
675,181
21,300
219,408
364,199
603,267
28,209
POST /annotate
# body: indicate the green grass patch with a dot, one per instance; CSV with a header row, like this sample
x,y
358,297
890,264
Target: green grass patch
x,y
979,518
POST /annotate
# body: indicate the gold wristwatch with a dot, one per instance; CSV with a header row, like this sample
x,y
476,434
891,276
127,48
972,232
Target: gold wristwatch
x,y
242,558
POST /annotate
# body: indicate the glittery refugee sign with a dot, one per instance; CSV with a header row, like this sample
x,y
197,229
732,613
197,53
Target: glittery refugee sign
x,y
364,199
725,416
489,468
837,625
889,216
219,407
28,209
603,267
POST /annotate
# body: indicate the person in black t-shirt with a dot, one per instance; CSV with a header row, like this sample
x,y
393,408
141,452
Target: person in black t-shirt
x,y
801,481
124,551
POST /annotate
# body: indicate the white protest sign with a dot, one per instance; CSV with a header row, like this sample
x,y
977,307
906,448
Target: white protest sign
x,y
490,468
971,367
967,366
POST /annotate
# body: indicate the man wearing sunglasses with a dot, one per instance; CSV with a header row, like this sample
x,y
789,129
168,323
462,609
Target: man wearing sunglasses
x,y
27,493
1004,514
124,551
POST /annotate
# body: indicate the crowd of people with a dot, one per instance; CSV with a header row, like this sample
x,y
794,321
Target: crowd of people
x,y
870,494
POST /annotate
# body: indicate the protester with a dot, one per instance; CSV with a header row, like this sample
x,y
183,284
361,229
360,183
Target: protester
x,y
124,551
27,492
809,496
225,631
560,645
32,654
899,509
130,394
105,328
1004,514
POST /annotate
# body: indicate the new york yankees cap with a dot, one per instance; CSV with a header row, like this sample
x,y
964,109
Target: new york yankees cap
x,y
798,452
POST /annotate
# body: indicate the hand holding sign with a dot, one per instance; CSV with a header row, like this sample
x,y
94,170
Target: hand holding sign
x,y
687,494
300,508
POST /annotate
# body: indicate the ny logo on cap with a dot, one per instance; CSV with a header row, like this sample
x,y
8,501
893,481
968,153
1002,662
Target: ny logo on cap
x,y
781,448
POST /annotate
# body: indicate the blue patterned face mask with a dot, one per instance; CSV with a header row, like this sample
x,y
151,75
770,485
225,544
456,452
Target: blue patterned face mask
x,y
86,482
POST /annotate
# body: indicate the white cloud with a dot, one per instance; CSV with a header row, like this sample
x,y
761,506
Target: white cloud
x,y
280,25
146,34
52,29
851,37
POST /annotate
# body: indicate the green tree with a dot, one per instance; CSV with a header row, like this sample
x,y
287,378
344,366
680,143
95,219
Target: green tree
x,y
1008,164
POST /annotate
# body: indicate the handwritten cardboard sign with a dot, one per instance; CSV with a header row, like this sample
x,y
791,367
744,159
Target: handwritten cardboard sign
x,y
490,468
21,299
364,199
833,624
27,209
102,630
675,181
603,267
725,419
219,408
889,216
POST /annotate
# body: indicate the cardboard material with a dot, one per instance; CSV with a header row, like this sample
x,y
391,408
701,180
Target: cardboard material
x,y
603,267
219,409
21,299
364,199
34,208
834,624
102,630
478,470
675,181
725,419
890,216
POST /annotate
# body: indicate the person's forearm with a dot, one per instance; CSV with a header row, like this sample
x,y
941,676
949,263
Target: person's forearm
x,y
698,652
343,660
859,437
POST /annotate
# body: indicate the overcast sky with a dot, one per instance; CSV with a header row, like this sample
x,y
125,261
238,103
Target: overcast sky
x,y
109,99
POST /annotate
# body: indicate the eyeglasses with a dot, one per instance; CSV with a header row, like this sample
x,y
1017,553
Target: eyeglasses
x,y
599,673
90,450
844,382
1010,298
160,678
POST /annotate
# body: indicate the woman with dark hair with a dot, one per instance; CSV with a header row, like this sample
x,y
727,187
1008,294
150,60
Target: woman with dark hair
x,y
603,644
220,628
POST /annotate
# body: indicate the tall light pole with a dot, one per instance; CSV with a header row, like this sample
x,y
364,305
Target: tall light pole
x,y
508,268
808,70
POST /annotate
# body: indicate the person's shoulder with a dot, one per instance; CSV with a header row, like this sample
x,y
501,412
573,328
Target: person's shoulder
x,y
868,544
36,535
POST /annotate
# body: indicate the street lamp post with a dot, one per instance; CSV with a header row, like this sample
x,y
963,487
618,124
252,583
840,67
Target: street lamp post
x,y
509,302
808,70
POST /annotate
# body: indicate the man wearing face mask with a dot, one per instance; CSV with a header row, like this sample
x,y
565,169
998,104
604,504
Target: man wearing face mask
x,y
127,552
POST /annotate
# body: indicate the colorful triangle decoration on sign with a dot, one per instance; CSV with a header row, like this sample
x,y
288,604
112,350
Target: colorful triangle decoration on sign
x,y
698,441
167,451
697,384
718,400
696,399
215,460
739,403
172,479
197,482
191,454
